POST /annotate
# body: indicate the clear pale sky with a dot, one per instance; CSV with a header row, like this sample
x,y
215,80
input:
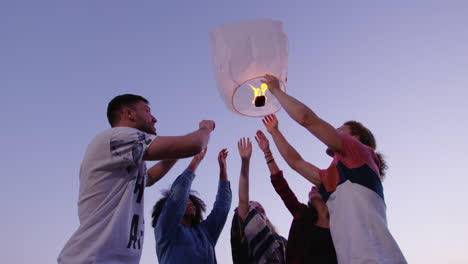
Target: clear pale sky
x,y
399,67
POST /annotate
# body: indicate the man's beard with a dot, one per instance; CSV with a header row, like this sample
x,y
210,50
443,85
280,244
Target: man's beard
x,y
149,130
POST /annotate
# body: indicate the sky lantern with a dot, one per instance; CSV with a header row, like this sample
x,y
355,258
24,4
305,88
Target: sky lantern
x,y
242,53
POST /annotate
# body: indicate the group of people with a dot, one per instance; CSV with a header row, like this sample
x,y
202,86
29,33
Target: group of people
x,y
343,220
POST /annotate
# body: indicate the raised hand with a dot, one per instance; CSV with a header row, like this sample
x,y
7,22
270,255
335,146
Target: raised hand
x,y
222,158
272,82
245,148
270,122
197,159
200,156
208,124
263,142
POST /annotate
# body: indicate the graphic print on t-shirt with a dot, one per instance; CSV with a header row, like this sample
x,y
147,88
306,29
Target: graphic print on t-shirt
x,y
134,240
117,150
110,207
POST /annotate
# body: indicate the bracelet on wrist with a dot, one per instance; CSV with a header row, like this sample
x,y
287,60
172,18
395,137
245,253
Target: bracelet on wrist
x,y
270,161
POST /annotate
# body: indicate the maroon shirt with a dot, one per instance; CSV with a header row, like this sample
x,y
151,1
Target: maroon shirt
x,y
307,243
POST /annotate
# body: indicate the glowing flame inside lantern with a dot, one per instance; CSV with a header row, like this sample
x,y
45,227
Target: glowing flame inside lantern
x,y
259,92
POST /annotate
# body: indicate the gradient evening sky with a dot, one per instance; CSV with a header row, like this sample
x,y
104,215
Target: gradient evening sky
x,y
400,67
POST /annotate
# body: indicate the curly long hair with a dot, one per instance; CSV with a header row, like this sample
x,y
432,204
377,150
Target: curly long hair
x,y
197,202
367,138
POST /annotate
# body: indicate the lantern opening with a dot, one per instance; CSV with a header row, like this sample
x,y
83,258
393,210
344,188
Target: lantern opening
x,y
253,98
260,101
259,95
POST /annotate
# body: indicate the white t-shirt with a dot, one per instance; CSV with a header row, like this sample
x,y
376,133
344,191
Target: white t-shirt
x,y
354,195
110,206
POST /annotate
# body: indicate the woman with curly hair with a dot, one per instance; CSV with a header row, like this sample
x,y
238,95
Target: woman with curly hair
x,y
182,236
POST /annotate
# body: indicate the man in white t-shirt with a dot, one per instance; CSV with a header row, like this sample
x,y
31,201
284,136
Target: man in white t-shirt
x,y
113,176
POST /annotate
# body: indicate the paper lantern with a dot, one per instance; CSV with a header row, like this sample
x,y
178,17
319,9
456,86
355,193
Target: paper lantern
x,y
242,54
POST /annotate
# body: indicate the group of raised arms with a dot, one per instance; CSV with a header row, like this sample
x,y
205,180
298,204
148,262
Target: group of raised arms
x,y
343,220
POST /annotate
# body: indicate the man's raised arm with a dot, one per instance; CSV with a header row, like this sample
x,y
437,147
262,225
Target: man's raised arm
x,y
177,147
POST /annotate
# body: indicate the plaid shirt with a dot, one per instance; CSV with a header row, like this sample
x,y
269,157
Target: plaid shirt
x,y
307,243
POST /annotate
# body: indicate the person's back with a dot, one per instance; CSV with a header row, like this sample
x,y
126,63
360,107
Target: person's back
x,y
110,207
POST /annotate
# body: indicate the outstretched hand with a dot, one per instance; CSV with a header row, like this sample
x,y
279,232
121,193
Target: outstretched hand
x,y
197,159
272,82
270,122
222,155
200,156
263,142
245,148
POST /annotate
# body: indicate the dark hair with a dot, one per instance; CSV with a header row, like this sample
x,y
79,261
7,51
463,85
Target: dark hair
x,y
115,106
367,138
311,212
197,202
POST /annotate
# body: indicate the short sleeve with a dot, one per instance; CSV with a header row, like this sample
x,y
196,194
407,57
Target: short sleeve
x,y
128,145
352,151
355,154
329,178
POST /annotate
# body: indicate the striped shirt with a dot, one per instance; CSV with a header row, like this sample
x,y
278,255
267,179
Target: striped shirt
x,y
264,245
